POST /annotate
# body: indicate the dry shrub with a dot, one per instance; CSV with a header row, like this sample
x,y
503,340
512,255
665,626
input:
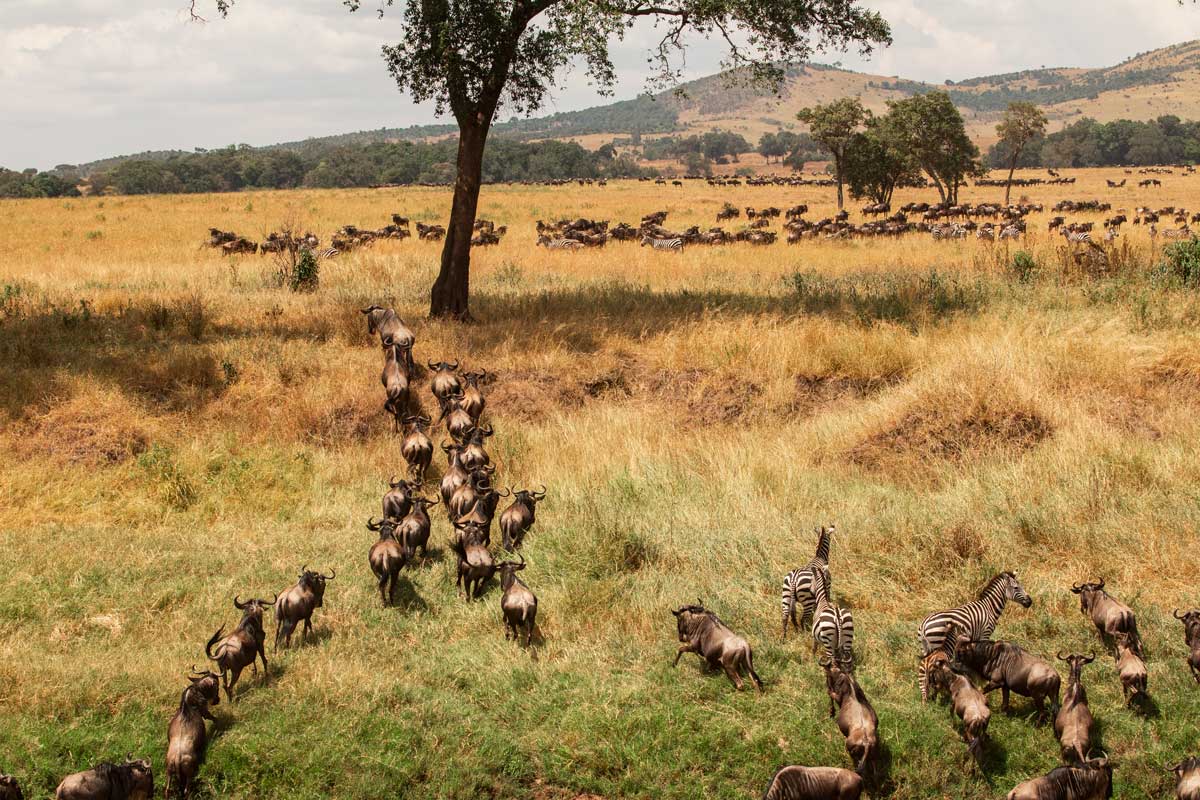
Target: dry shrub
x,y
181,380
92,428
353,419
816,392
530,395
956,547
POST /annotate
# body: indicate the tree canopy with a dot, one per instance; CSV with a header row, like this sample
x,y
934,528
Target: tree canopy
x,y
933,131
835,125
1022,123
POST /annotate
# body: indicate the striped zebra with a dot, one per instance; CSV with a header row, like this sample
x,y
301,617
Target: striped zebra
x,y
1010,232
560,244
798,584
833,626
663,244
1077,237
974,620
328,252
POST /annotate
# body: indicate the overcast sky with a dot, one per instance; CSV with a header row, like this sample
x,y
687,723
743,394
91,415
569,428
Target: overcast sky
x,y
84,79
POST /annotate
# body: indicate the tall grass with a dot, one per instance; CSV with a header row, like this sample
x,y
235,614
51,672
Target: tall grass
x,y
177,429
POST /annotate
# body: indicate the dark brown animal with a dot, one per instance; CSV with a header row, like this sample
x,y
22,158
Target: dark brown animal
x,y
455,476
473,401
392,331
1187,779
298,603
467,495
1073,722
458,422
394,378
519,517
1131,668
855,717
444,382
1191,635
132,780
518,604
1110,616
417,448
1010,668
387,557
814,783
9,788
243,647
473,454
1091,780
187,737
702,632
970,704
413,530
397,501
475,563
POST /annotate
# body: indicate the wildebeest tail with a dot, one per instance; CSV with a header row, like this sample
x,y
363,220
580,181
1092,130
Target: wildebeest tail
x,y
208,647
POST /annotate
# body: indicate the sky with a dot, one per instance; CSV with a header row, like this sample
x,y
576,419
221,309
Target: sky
x,y
86,79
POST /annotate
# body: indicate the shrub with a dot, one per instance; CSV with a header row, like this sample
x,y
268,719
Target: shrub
x,y
1023,266
172,485
1181,262
306,274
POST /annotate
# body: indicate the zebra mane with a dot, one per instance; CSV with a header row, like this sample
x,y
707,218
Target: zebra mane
x,y
996,580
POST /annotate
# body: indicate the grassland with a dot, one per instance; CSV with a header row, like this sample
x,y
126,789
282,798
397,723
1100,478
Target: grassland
x,y
177,429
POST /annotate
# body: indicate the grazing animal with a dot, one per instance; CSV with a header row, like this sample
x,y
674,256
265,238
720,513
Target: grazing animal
x,y
473,401
974,620
518,604
475,563
455,475
397,501
298,603
833,626
855,717
1010,668
1091,780
392,331
1191,635
970,706
814,783
797,584
1131,668
1110,616
243,647
519,517
132,780
394,378
387,557
1073,722
413,530
9,788
702,632
445,382
1187,779
674,245
417,447
187,736
473,455
559,244
458,421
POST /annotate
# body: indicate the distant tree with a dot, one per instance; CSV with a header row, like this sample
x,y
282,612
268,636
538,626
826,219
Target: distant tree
x,y
877,161
834,126
933,131
472,57
1022,123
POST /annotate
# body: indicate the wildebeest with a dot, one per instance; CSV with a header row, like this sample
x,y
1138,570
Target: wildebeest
x,y
814,783
243,647
473,401
1073,722
1110,616
1187,779
298,603
417,448
387,557
132,780
455,476
9,788
1091,780
394,378
397,501
444,382
518,604
392,331
473,454
702,632
855,717
1191,635
413,530
1010,668
1131,669
475,563
519,517
187,737
970,704
466,495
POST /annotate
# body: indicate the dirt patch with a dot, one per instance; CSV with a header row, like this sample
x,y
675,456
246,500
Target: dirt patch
x,y
92,429
816,393
924,439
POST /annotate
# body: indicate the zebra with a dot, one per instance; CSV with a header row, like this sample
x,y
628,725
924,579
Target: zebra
x,y
1076,237
833,626
798,584
1010,232
328,252
559,244
675,244
975,620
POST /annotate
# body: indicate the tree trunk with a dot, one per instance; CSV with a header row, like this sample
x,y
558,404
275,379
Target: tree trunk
x,y
451,291
837,169
1012,167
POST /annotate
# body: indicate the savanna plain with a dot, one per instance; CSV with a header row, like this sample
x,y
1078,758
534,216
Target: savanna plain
x,y
178,428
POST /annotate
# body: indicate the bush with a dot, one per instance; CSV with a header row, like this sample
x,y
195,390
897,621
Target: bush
x,y
1023,266
306,274
1181,262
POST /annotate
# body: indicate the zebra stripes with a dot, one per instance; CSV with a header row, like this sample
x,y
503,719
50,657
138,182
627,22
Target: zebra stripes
x,y
833,626
798,584
663,244
974,620
563,244
1077,237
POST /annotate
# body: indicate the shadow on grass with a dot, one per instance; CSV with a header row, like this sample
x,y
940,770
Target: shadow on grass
x,y
406,597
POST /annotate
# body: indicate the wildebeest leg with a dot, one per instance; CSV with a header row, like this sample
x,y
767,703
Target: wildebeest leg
x,y
262,652
307,629
392,591
1004,701
686,647
234,674
528,633
383,590
749,657
730,665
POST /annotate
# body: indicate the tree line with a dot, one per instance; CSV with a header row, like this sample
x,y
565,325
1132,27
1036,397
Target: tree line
x,y
1123,142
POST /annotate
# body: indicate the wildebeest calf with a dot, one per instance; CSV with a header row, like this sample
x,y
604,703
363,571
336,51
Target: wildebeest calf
x,y
855,717
814,783
703,633
1091,780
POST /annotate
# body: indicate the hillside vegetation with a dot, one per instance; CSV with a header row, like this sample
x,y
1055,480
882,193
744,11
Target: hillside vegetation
x,y
175,429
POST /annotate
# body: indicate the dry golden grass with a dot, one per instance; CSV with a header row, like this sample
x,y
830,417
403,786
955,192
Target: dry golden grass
x,y
177,429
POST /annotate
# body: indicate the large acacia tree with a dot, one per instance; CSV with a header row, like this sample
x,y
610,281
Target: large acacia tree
x,y
1022,123
472,58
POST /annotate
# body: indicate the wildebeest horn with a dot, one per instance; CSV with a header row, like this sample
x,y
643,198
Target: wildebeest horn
x,y
1101,586
455,365
433,502
1177,615
522,557
540,495
1077,588
432,365
825,661
372,525
1090,658
488,431
238,603
446,448
1061,657
506,493
368,309
332,574
392,482
198,671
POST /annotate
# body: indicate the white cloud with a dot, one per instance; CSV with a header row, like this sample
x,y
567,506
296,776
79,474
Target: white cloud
x,y
84,79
